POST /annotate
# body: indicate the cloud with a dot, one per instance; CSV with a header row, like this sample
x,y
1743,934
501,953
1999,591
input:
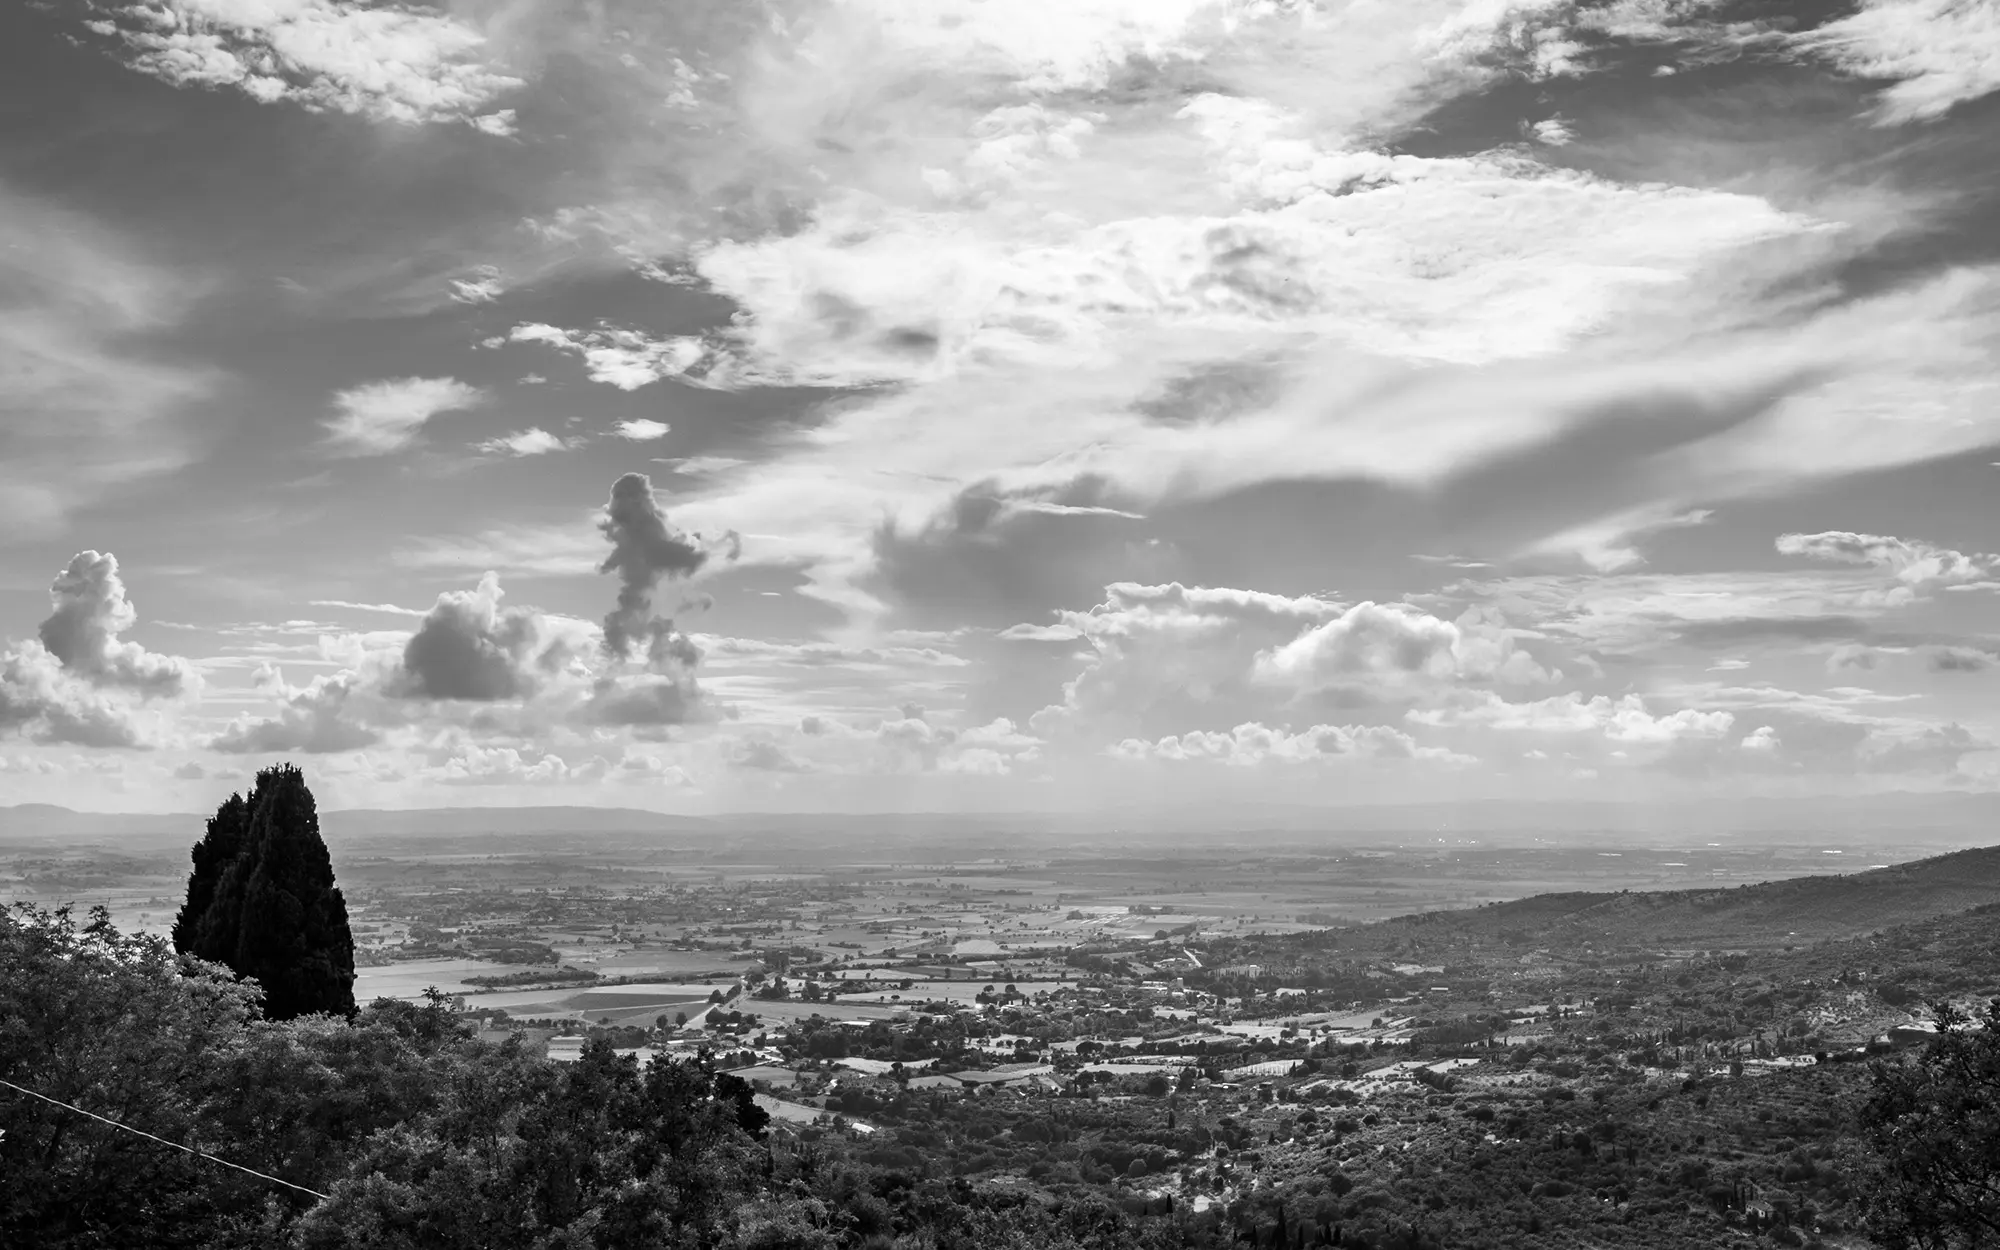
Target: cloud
x,y
1373,651
1041,633
315,720
645,549
1960,660
641,429
472,764
391,609
1915,564
90,403
1764,739
651,700
1622,720
384,62
1255,745
618,356
1634,612
39,698
534,441
1173,653
72,683
483,287
761,754
470,647
1940,50
382,417
91,610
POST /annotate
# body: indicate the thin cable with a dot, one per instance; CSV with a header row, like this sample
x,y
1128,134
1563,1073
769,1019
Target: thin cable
x,y
163,1141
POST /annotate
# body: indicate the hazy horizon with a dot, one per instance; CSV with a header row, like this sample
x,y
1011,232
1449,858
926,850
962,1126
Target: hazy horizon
x,y
1124,405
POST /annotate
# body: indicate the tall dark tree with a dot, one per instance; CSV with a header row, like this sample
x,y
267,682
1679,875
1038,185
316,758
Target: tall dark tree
x,y
268,908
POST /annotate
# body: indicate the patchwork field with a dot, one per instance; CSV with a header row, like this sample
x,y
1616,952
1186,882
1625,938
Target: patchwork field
x,y
622,1004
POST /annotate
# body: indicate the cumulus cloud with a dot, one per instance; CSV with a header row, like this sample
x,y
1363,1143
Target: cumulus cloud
x,y
91,610
653,700
1764,738
385,62
1172,656
38,698
315,720
469,764
378,418
1252,745
1626,719
72,683
762,754
1373,651
645,550
1172,652
470,647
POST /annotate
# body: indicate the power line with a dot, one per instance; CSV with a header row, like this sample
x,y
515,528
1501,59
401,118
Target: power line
x,y
163,1141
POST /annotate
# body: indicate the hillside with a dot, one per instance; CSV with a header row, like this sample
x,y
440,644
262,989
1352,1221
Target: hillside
x,y
1792,912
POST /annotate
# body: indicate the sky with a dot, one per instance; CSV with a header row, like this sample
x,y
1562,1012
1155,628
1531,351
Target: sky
x,y
998,405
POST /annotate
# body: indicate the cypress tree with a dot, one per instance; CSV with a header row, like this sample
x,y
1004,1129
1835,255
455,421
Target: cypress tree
x,y
272,911
228,830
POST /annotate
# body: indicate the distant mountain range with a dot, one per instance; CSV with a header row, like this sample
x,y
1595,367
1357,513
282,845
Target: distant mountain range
x,y
45,820
1796,911
1954,813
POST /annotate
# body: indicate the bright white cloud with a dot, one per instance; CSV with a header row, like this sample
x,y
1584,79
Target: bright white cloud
x,y
1254,745
378,418
386,62
1622,720
618,356
533,441
75,683
641,429
1372,651
1943,52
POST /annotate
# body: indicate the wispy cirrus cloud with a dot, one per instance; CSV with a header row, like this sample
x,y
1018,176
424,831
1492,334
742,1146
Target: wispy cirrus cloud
x,y
87,405
1939,52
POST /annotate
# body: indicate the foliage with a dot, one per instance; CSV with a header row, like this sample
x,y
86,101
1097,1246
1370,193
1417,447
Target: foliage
x,y
1934,1123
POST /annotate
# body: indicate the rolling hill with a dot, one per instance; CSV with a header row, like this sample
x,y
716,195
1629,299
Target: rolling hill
x,y
1795,911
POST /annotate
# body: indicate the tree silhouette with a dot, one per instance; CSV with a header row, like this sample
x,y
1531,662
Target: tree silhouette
x,y
262,900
